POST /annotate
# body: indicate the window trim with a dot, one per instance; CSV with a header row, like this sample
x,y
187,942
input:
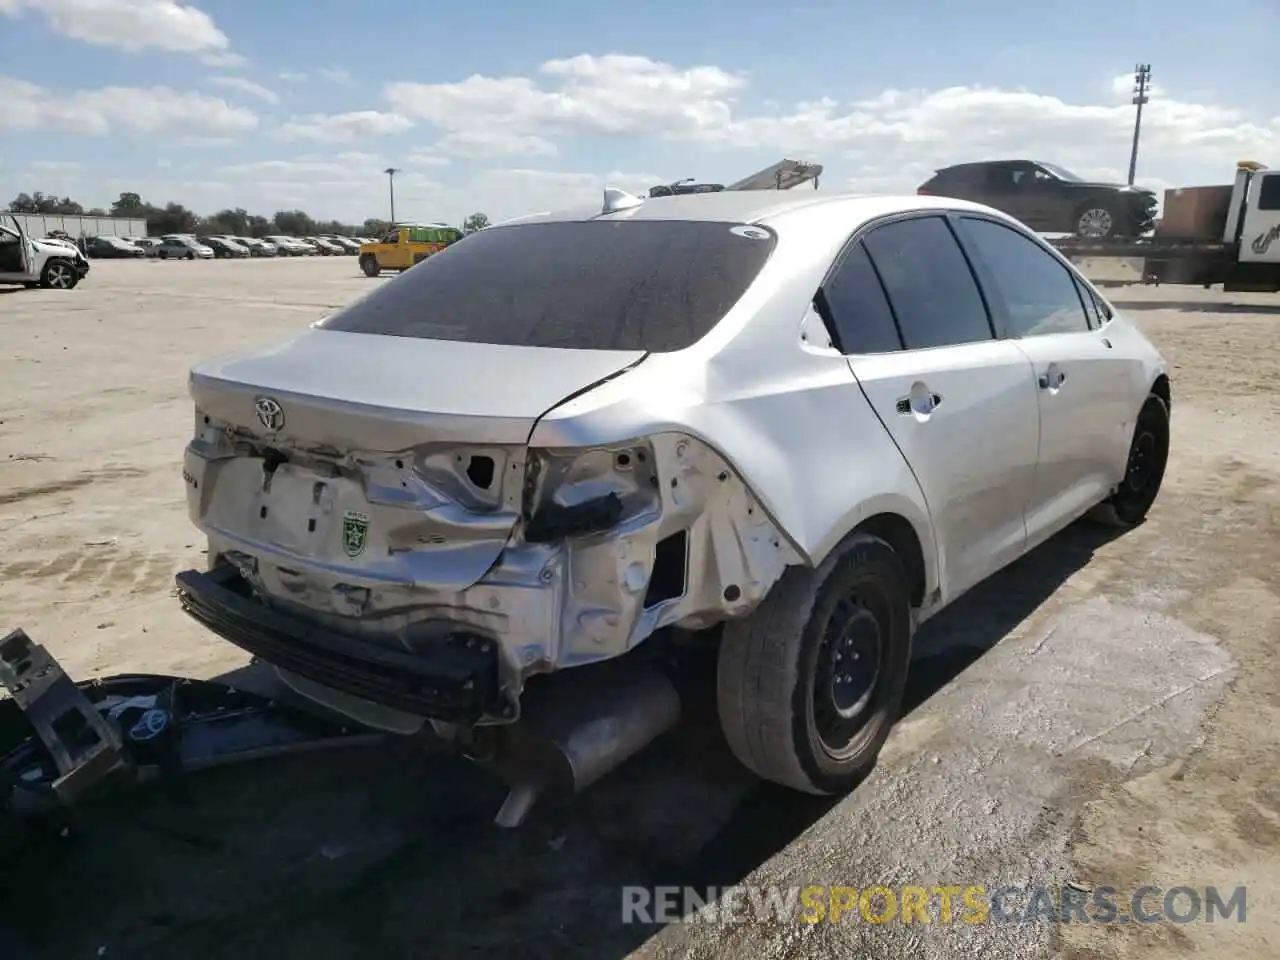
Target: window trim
x,y
822,303
857,236
987,277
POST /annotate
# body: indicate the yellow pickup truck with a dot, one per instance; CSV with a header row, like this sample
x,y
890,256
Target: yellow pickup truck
x,y
404,245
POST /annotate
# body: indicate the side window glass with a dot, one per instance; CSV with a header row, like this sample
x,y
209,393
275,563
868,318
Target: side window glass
x,y
1039,293
1090,305
1104,312
863,321
929,284
1269,192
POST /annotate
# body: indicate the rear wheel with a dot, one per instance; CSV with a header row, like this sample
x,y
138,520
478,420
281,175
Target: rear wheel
x,y
191,255
1144,470
369,264
59,275
810,685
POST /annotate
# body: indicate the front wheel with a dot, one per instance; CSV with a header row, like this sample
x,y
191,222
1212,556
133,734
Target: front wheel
x,y
1144,470
369,264
1096,221
191,256
809,686
59,275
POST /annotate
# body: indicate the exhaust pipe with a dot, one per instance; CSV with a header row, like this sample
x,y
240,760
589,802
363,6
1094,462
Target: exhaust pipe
x,y
576,726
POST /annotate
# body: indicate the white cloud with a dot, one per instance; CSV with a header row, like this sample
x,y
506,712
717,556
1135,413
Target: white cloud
x,y
699,115
292,76
475,144
248,86
897,137
335,75
342,127
25,107
128,24
225,61
611,94
424,158
68,168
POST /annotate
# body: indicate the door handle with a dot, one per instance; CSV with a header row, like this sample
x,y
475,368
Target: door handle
x,y
1048,382
905,408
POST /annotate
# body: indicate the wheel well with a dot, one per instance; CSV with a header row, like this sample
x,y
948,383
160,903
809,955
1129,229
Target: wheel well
x,y
1161,389
898,532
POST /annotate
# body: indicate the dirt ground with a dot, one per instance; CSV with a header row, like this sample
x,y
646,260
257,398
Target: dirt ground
x,y
1105,712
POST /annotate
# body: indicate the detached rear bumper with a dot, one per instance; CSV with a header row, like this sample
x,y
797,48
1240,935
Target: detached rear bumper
x,y
456,682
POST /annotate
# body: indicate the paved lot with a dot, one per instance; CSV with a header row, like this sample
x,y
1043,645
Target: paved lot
x,y
1103,713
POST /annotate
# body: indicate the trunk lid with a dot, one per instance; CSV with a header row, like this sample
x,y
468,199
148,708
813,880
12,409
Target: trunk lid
x,y
347,458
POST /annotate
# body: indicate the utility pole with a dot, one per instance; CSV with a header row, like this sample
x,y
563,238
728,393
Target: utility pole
x,y
391,185
1141,84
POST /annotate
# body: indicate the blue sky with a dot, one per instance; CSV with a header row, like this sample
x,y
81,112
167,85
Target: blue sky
x,y
509,108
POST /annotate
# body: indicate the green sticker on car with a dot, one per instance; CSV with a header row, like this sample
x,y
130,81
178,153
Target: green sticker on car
x,y
355,533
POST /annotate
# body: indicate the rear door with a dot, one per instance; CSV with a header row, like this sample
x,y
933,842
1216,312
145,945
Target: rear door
x,y
1086,415
959,404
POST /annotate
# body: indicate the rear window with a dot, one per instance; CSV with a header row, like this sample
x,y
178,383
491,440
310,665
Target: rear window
x,y
655,285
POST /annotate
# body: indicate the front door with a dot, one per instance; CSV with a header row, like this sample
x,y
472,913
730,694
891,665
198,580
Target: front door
x,y
15,259
959,404
1082,384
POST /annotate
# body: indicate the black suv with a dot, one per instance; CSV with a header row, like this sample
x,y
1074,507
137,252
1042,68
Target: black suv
x,y
1048,198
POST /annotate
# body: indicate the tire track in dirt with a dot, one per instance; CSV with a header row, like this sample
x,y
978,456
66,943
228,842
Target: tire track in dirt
x,y
23,494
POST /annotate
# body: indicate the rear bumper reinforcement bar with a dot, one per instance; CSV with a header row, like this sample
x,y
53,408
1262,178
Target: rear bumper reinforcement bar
x,y
457,681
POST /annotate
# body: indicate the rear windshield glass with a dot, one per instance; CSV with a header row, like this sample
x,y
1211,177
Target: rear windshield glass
x,y
655,285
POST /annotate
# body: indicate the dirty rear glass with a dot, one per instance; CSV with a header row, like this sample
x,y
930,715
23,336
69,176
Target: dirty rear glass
x,y
653,285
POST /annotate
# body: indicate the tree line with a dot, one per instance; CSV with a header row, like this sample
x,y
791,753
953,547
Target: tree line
x,y
176,218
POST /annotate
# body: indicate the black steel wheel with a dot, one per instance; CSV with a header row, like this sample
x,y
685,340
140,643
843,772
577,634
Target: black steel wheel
x,y
809,686
1144,470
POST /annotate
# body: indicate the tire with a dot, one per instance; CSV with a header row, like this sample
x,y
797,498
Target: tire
x,y
191,255
1144,470
59,274
160,254
369,264
1097,220
775,689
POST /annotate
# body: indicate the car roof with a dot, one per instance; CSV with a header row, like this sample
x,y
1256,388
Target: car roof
x,y
970,164
772,207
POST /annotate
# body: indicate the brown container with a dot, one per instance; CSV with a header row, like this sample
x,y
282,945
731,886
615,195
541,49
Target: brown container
x,y
1194,213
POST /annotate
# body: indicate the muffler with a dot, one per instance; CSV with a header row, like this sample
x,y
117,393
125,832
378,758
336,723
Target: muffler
x,y
576,726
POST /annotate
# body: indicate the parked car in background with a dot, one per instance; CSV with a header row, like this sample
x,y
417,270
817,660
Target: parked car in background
x,y
347,245
1048,198
257,247
180,246
327,248
291,246
38,263
810,422
148,245
106,248
224,248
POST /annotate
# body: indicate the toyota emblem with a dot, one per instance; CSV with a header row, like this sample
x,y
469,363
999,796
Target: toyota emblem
x,y
270,413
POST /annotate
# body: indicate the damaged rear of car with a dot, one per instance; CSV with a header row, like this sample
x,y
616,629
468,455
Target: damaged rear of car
x,y
385,527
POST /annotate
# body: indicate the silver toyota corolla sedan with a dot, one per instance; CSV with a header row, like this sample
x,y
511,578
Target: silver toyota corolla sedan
x,y
792,426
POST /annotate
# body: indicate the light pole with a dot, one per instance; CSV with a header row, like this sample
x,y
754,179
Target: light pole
x,y
1141,84
391,185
